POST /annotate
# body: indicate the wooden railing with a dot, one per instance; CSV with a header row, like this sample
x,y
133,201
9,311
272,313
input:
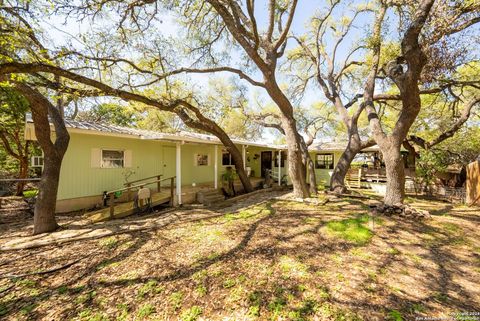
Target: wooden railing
x,y
20,180
111,194
158,181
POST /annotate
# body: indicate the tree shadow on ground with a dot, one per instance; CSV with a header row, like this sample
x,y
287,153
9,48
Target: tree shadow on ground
x,y
286,256
85,268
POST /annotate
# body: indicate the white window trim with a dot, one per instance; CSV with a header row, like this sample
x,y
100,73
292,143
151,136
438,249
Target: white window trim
x,y
35,160
115,150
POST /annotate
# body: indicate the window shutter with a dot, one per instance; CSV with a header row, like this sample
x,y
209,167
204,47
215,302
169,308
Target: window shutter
x,y
127,161
96,158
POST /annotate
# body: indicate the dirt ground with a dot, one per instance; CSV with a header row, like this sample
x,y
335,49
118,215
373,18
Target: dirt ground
x,y
262,259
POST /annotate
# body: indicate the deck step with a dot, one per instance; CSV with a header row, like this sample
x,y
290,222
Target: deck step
x,y
210,196
210,200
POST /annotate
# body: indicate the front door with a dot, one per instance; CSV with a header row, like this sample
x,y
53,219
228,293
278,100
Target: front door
x,y
266,162
169,163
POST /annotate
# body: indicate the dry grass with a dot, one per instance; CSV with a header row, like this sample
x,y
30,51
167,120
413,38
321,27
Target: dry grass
x,y
271,260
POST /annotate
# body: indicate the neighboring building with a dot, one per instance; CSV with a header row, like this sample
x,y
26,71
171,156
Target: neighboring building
x,y
104,157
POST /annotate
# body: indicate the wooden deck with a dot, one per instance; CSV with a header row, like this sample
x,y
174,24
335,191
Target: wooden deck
x,y
126,208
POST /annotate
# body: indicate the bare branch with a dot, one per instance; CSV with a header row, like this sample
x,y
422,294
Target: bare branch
x,y
286,29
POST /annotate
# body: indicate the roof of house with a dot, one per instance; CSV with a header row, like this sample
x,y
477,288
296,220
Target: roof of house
x,y
103,128
337,146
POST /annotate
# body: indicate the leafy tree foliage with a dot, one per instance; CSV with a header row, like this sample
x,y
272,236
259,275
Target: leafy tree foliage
x,y
111,113
13,107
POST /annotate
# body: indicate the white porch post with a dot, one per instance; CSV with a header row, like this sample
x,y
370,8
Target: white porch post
x,y
243,157
215,167
279,167
178,170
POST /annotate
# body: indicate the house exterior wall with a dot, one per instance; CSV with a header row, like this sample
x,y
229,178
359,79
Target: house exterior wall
x,y
254,160
81,184
197,174
323,175
78,178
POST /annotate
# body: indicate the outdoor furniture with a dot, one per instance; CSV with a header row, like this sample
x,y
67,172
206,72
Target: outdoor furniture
x,y
353,178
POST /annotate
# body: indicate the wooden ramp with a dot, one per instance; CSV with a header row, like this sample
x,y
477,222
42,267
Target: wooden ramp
x,y
121,208
126,208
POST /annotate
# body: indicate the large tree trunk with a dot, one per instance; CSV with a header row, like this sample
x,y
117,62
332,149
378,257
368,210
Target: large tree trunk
x,y
395,176
44,214
296,166
337,181
296,151
239,166
312,178
44,218
308,164
354,146
406,80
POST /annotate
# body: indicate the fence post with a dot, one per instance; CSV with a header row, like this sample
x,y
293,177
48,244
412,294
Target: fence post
x,y
158,183
172,181
128,191
359,177
112,204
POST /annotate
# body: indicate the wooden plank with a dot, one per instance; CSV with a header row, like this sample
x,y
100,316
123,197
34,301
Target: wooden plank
x,y
20,180
126,209
352,180
112,205
172,186
143,179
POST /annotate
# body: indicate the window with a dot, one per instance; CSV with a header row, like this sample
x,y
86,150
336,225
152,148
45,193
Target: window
x,y
227,159
201,160
324,161
37,161
113,158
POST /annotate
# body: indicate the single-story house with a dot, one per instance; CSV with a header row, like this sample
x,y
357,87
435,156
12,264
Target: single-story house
x,y
103,157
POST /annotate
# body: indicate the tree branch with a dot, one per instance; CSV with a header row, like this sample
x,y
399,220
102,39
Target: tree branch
x,y
286,29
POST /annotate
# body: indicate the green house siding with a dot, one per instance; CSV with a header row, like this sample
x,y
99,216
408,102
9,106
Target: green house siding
x,y
79,179
323,175
197,174
254,159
